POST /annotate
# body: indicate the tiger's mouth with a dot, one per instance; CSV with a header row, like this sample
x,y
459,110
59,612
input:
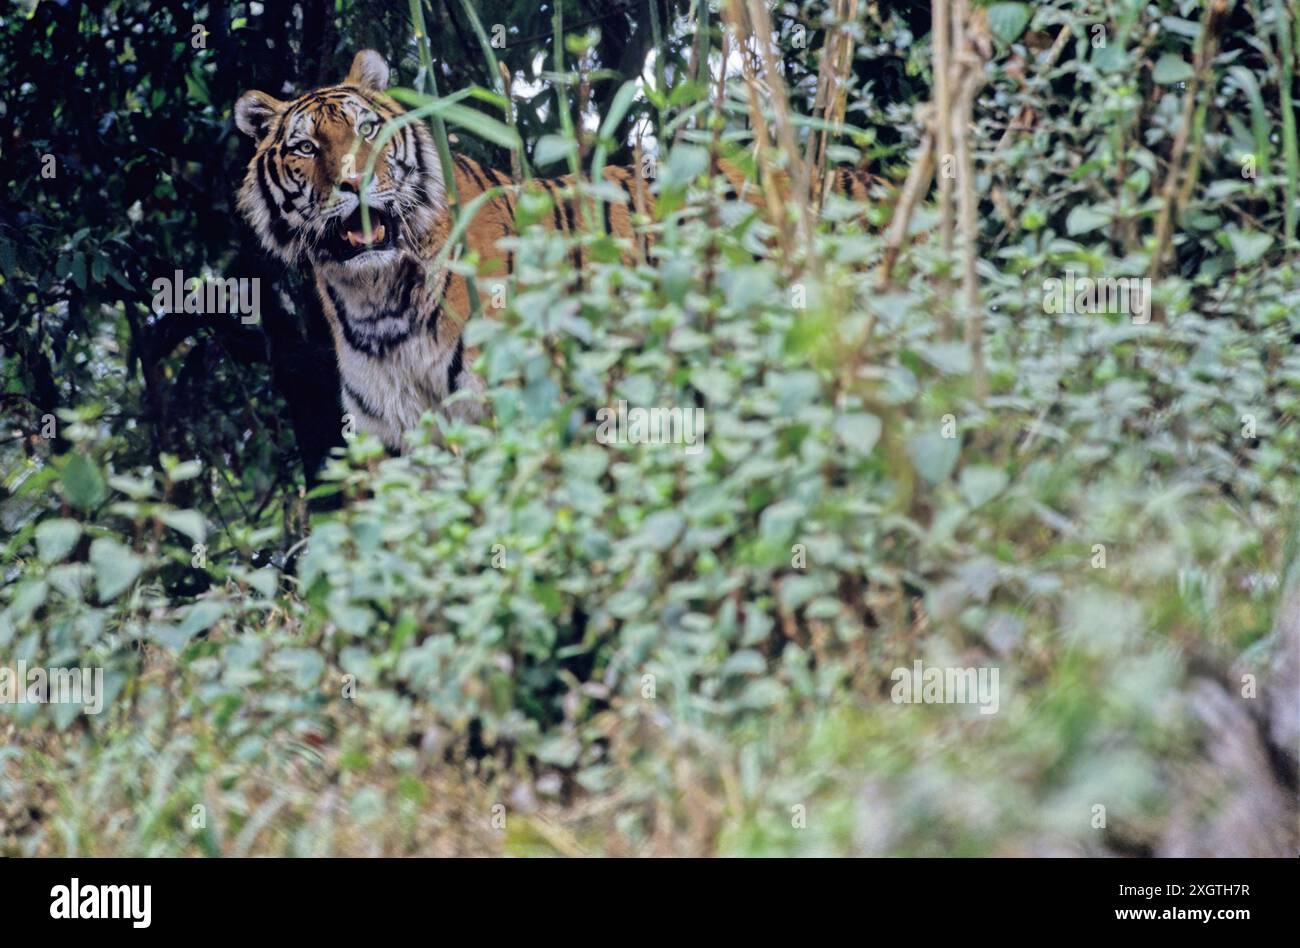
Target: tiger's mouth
x,y
352,238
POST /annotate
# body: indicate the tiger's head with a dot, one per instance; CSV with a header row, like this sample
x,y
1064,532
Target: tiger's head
x,y
301,193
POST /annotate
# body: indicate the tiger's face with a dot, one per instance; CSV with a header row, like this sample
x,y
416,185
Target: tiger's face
x,y
302,191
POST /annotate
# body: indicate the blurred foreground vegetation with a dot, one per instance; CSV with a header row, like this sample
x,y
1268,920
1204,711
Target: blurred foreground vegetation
x,y
521,640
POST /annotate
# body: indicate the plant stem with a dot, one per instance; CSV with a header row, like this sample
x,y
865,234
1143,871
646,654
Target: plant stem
x,y
440,134
499,77
1287,44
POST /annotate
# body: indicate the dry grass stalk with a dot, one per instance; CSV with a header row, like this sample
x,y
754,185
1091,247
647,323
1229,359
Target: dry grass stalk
x,y
917,184
781,186
771,186
940,21
638,198
795,166
1170,193
971,79
832,97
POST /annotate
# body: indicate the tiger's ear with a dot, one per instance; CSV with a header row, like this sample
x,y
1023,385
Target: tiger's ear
x,y
369,71
254,112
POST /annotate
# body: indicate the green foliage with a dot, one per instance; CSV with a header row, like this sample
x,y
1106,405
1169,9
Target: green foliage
x,y
703,640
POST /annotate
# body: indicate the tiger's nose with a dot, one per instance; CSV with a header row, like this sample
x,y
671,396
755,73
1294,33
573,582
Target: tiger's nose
x,y
351,183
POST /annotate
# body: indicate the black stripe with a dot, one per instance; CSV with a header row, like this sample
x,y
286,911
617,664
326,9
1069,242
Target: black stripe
x,y
370,346
292,195
470,169
573,232
568,216
273,171
455,365
321,97
345,323
266,164
404,299
555,195
432,320
311,98
408,159
279,228
631,201
362,402
411,157
280,132
406,282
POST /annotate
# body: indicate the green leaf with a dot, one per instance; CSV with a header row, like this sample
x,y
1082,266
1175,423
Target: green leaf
x,y
553,148
934,456
779,521
1083,219
56,538
1260,123
685,164
188,522
950,358
168,636
745,662
265,581
1249,245
83,483
184,471
1110,58
202,616
981,483
618,108
116,567
482,126
561,750
797,590
31,595
661,529
79,270
1008,20
859,431
303,665
762,693
1170,69
1189,28
134,487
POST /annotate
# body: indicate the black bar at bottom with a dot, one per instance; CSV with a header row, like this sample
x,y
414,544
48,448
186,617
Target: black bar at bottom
x,y
329,896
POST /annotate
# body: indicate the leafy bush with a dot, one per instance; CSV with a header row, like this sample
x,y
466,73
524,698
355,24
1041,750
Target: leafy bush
x,y
639,648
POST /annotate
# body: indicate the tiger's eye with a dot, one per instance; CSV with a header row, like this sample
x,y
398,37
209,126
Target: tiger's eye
x,y
305,148
366,128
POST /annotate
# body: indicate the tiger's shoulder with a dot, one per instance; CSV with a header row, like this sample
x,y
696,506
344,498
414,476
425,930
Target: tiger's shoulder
x,y
628,199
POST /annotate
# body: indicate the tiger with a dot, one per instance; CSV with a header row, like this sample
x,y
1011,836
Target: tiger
x,y
397,326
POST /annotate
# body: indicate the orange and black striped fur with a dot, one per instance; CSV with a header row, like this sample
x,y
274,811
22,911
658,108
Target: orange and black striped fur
x,y
396,326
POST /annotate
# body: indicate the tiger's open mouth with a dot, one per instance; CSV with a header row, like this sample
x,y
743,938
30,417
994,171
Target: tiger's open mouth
x,y
352,237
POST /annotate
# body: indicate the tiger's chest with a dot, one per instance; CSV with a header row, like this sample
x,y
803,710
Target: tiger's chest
x,y
397,356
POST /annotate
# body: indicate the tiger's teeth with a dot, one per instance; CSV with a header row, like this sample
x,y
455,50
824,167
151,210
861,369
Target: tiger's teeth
x,y
358,238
